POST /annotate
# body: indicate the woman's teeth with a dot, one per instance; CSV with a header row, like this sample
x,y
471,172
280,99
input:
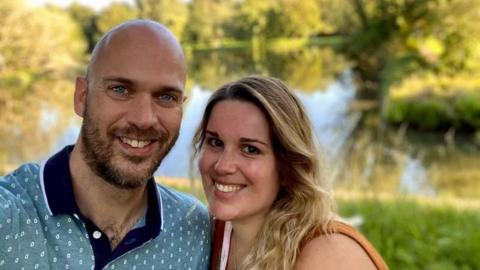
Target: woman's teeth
x,y
227,188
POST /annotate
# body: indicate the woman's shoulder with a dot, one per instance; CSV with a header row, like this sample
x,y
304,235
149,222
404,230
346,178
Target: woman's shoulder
x,y
343,248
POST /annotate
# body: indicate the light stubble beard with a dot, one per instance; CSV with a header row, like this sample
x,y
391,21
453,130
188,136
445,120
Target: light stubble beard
x,y
100,156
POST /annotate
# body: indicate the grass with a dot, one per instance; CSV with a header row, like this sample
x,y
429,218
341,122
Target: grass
x,y
416,233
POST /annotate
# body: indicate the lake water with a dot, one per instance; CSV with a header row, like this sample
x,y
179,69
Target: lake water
x,y
403,161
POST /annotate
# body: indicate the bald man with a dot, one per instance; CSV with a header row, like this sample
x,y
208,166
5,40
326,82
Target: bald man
x,y
95,204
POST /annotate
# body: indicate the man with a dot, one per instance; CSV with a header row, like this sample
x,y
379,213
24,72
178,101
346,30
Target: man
x,y
95,205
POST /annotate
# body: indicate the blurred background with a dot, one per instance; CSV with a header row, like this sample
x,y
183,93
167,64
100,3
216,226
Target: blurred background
x,y
392,88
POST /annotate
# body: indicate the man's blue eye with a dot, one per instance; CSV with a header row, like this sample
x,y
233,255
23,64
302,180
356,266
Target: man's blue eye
x,y
119,89
167,98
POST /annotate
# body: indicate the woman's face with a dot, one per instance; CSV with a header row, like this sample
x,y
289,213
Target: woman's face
x,y
237,162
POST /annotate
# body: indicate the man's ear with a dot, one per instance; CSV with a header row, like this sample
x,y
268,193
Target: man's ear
x,y
80,96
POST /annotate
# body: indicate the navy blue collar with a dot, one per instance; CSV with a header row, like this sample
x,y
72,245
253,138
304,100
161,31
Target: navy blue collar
x,y
58,192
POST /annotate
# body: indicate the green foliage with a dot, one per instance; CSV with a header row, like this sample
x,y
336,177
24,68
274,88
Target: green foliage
x,y
277,19
430,112
433,34
252,18
86,18
171,13
26,52
468,110
208,20
412,235
114,14
292,18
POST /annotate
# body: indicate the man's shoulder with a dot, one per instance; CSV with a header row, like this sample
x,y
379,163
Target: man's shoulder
x,y
172,199
20,194
175,196
23,170
23,179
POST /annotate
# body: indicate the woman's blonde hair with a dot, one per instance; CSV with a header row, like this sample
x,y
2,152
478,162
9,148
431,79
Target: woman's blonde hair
x,y
303,207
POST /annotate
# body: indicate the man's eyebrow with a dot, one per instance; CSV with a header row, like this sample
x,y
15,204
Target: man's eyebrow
x,y
118,79
169,89
128,81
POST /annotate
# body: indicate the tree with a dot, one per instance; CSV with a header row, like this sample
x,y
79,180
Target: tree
x,y
207,20
172,13
114,14
278,19
386,40
26,51
292,18
252,18
86,18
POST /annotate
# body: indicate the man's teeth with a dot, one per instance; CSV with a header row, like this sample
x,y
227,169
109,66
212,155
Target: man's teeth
x,y
135,143
227,188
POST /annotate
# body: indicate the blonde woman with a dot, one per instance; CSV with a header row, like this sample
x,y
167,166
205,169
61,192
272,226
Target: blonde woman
x,y
262,179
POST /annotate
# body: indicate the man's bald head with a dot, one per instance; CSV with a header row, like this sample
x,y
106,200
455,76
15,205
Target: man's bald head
x,y
147,32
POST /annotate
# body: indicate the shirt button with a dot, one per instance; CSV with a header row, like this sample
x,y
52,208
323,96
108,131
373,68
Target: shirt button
x,y
76,216
97,234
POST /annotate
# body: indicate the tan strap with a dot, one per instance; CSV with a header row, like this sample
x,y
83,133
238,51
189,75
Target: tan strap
x,y
349,231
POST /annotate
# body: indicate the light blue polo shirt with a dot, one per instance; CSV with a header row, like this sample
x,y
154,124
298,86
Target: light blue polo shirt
x,y
41,226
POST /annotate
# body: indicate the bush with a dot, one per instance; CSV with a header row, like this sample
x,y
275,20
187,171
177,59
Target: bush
x,y
467,108
433,113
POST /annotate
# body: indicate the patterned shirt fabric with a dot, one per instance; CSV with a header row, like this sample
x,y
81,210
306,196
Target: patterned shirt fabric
x,y
41,226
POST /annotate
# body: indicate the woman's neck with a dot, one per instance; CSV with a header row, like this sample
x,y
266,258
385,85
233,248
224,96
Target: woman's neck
x,y
243,238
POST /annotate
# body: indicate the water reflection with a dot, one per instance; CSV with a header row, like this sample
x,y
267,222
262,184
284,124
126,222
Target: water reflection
x,y
31,124
308,69
402,161
414,179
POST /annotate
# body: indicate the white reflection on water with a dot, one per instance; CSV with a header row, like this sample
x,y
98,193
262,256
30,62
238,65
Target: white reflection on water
x,y
414,178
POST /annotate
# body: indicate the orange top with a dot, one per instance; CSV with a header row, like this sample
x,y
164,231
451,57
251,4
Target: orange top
x,y
336,226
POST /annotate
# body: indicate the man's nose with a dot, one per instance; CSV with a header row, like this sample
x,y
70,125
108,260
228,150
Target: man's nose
x,y
142,112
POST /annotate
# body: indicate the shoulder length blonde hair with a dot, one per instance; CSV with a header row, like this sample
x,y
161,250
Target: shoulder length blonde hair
x,y
303,206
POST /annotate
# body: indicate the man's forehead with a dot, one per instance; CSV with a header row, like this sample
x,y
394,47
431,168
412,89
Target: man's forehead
x,y
141,37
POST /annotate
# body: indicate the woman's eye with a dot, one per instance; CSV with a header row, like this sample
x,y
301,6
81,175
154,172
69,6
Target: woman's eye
x,y
251,150
214,142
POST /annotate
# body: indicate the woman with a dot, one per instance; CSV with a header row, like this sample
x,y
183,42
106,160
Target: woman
x,y
261,174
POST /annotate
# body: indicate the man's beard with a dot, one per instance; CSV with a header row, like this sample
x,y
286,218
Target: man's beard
x,y
100,157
